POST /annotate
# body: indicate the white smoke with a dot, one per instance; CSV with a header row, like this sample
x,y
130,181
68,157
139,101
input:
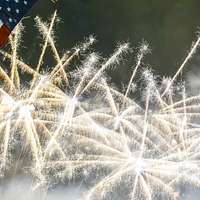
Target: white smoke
x,y
190,193
193,80
20,188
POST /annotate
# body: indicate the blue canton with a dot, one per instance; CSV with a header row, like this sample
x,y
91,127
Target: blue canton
x,y
12,11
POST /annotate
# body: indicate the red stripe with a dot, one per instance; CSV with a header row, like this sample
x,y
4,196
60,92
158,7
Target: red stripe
x,y
4,34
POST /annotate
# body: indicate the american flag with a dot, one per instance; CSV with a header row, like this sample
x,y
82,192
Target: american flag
x,y
11,12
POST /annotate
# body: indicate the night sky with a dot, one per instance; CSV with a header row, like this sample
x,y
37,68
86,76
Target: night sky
x,y
169,27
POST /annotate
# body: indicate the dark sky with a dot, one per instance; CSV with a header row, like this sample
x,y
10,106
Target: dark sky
x,y
169,26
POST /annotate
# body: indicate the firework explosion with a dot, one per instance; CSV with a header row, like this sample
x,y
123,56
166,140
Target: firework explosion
x,y
62,128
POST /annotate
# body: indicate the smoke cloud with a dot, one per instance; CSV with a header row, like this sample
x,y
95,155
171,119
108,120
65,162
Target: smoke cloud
x,y
20,187
193,80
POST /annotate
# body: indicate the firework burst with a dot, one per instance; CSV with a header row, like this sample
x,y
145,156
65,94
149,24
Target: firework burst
x,y
60,127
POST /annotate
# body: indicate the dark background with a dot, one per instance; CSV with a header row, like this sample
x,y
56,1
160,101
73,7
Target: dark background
x,y
169,26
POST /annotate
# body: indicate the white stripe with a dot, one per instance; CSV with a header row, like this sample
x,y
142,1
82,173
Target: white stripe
x,y
1,23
